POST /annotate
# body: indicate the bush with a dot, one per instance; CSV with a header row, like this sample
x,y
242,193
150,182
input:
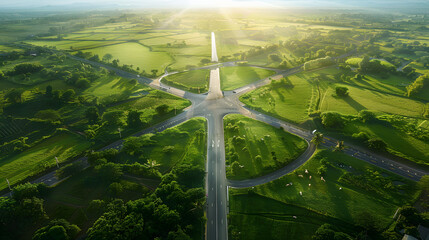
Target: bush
x,y
48,115
376,144
361,136
83,83
342,91
25,68
109,171
29,190
57,229
332,120
366,115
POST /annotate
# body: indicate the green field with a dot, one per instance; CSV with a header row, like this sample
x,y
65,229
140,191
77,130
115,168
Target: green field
x,y
234,77
360,98
188,141
196,81
252,143
311,91
258,217
147,105
63,145
72,45
108,89
135,54
335,201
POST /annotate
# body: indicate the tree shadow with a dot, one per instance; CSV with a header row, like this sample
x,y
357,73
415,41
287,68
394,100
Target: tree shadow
x,y
353,103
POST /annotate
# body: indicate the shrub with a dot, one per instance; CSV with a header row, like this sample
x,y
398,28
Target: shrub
x,y
332,120
376,144
366,115
342,91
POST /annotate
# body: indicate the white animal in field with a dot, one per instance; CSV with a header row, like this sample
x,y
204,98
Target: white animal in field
x,y
310,177
309,185
306,171
300,175
300,193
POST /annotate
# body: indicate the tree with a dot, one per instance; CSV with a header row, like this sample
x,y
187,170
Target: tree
x,y
235,168
332,120
154,72
364,65
48,92
274,58
92,115
133,119
109,171
107,57
113,117
366,115
340,146
28,190
57,229
68,95
83,83
133,145
342,91
152,165
205,61
317,138
162,109
14,95
420,83
2,76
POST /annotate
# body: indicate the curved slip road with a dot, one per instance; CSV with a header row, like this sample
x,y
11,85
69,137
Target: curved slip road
x,y
276,174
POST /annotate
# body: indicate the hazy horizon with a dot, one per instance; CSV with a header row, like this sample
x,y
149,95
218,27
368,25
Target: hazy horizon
x,y
111,4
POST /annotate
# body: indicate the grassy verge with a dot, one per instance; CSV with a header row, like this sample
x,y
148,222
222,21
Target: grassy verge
x,y
196,81
257,148
234,77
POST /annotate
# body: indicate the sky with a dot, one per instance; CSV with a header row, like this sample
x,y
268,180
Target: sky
x,y
214,3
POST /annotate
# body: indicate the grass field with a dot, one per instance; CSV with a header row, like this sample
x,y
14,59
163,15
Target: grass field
x,y
72,45
251,143
360,98
137,55
290,103
259,217
234,77
188,141
108,88
339,201
316,91
30,162
147,104
196,81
